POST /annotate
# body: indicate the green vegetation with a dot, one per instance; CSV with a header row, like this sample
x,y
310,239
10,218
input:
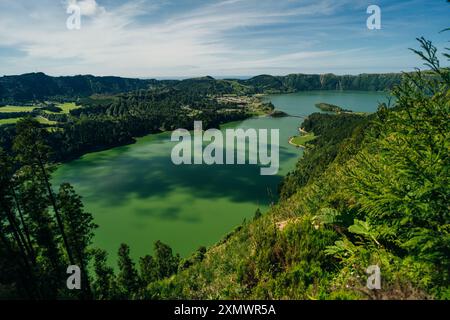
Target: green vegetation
x,y
300,141
46,113
65,107
378,195
43,120
328,107
278,114
40,231
38,87
17,109
40,119
9,121
108,121
105,112
373,190
381,199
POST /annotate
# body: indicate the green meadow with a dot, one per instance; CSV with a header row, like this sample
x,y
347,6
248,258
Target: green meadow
x,y
301,140
8,109
8,121
66,107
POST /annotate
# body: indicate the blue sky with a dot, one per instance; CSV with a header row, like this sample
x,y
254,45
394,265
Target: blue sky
x,y
187,38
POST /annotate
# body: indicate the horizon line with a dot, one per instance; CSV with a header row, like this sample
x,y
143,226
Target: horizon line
x,y
215,77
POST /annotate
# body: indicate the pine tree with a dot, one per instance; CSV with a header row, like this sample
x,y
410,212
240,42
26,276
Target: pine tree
x,y
32,151
104,286
16,249
79,227
128,279
148,269
167,263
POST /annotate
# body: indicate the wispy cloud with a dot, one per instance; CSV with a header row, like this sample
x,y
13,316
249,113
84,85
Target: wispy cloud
x,y
156,38
87,7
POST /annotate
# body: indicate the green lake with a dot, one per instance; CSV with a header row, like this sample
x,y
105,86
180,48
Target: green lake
x,y
137,195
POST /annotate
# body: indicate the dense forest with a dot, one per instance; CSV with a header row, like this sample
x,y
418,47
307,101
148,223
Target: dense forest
x,y
31,87
368,190
328,107
113,111
34,87
108,121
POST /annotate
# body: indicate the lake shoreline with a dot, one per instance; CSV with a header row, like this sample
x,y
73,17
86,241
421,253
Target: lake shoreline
x,y
295,145
260,114
148,198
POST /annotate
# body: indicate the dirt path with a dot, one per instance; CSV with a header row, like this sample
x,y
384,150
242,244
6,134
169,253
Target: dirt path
x,y
302,131
295,145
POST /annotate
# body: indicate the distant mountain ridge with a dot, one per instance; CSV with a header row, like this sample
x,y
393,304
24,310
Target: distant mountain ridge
x,y
39,86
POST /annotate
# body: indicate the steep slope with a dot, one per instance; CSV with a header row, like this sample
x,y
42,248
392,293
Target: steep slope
x,y
369,192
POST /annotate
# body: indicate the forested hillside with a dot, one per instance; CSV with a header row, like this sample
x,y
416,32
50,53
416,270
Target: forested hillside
x,y
106,121
301,82
370,190
112,111
37,87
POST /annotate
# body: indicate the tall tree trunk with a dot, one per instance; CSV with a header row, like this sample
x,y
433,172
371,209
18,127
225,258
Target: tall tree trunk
x,y
29,285
87,291
18,236
25,227
55,208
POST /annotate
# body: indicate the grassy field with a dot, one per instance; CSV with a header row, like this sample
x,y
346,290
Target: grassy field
x,y
8,109
301,140
38,118
8,121
45,121
66,107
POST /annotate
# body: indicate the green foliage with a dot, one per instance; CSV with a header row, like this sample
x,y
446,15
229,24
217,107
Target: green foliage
x,y
166,262
127,278
400,183
79,228
148,269
328,107
332,135
257,215
105,285
371,191
41,87
42,233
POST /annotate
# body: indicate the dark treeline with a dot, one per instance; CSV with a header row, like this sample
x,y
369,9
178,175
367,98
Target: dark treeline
x,y
302,82
115,110
43,231
333,132
39,86
105,122
36,87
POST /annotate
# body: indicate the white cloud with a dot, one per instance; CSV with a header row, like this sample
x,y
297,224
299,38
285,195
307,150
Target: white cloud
x,y
87,7
133,39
